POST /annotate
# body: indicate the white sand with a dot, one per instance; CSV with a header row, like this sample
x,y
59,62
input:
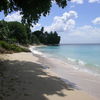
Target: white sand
x,y
78,78
25,79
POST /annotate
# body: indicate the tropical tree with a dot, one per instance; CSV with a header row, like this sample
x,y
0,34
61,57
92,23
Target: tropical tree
x,y
4,30
18,32
47,38
34,39
31,10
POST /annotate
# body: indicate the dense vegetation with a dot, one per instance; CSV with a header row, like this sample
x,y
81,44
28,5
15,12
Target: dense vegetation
x,y
10,48
31,10
17,33
46,38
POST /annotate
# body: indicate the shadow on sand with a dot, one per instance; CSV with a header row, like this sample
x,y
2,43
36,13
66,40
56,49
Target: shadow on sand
x,y
21,80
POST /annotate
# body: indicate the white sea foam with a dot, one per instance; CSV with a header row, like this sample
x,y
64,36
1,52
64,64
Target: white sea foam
x,y
79,65
97,65
34,51
37,52
80,62
71,60
75,61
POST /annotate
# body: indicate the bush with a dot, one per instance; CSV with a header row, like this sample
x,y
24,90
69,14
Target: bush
x,y
12,47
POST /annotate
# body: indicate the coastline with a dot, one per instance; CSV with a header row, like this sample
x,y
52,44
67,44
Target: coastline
x,y
86,81
80,80
32,80
79,56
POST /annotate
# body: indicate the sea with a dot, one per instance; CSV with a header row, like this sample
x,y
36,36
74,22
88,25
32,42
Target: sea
x,y
78,65
84,57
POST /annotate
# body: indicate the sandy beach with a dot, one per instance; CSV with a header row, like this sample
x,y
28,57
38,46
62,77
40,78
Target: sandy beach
x,y
78,78
23,77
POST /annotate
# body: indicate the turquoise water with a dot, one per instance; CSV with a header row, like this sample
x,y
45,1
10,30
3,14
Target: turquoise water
x,y
82,56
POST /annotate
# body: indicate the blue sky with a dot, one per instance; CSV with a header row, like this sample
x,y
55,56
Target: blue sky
x,y
79,22
86,12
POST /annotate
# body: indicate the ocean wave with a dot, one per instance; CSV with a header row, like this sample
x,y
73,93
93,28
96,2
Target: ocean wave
x,y
83,66
76,61
70,59
78,64
34,51
97,65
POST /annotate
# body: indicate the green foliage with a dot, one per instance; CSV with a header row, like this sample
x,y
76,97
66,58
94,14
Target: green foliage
x,y
51,38
12,47
28,31
39,35
18,32
31,10
15,32
34,39
4,30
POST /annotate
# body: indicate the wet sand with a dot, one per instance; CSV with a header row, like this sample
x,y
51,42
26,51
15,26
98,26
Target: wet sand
x,y
79,79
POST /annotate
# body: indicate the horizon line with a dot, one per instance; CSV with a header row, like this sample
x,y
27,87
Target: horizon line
x,y
79,43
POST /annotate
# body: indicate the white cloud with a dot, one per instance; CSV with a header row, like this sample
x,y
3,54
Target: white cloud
x,y
84,34
82,1
13,17
69,25
93,1
77,1
63,23
35,27
96,20
17,17
83,31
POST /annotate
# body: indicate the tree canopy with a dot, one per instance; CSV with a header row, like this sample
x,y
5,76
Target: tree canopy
x,y
47,38
31,10
16,32
4,30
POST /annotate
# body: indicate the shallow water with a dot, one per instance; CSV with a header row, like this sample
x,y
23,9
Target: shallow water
x,y
84,57
76,74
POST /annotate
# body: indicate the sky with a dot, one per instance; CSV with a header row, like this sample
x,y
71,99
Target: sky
x,y
78,22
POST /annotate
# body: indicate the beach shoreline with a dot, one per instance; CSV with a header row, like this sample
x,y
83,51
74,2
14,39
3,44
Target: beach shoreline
x,y
84,80
77,78
32,80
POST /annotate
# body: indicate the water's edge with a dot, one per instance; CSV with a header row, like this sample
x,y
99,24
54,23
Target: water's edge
x,y
77,63
66,71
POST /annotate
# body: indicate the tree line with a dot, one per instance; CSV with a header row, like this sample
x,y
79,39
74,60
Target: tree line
x,y
16,32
